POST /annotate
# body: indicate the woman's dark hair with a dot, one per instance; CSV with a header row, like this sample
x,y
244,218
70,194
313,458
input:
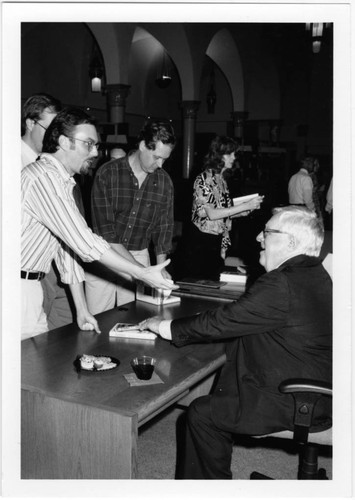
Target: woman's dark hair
x,y
219,146
154,131
63,124
34,107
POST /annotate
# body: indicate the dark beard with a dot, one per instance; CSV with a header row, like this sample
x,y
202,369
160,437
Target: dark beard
x,y
85,167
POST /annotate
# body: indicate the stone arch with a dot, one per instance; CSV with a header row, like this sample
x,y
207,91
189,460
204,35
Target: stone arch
x,y
115,44
145,62
145,53
176,43
222,50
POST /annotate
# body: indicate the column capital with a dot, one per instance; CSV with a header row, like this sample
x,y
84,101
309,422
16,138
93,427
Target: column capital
x,y
239,116
117,93
190,108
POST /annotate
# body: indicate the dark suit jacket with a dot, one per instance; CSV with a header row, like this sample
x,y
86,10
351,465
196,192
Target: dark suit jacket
x,y
280,328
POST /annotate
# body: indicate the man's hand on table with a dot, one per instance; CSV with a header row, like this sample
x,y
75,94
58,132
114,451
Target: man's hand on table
x,y
157,325
87,322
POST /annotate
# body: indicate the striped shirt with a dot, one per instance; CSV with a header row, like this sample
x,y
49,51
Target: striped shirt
x,y
51,224
122,212
27,154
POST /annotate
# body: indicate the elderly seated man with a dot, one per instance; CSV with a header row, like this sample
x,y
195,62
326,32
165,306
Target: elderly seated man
x,y
280,328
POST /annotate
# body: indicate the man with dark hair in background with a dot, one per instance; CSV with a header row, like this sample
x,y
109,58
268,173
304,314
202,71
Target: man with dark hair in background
x,y
132,205
52,226
37,113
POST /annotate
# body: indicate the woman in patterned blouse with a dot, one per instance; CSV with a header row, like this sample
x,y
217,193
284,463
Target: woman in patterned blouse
x,y
212,211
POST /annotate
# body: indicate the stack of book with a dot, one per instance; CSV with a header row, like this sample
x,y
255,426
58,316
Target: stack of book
x,y
196,282
234,275
210,288
151,295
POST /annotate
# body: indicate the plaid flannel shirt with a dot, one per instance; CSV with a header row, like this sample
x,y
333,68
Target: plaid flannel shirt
x,y
122,212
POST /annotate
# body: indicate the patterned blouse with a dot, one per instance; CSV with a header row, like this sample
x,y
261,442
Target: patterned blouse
x,y
211,189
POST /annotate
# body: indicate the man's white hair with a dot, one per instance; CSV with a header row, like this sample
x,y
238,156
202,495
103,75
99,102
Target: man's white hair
x,y
304,225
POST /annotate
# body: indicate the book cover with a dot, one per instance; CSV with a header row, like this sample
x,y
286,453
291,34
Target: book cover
x,y
231,278
235,275
199,283
244,199
131,331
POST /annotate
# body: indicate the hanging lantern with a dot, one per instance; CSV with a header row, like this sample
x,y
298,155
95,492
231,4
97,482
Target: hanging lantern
x,y
96,73
211,97
163,79
96,84
316,30
211,101
316,46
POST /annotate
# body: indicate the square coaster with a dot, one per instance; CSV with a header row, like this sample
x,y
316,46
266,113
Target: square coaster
x,y
133,380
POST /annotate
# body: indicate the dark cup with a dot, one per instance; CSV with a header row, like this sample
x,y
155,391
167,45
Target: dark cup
x,y
143,367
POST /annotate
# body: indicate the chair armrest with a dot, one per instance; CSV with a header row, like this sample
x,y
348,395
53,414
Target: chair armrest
x,y
294,385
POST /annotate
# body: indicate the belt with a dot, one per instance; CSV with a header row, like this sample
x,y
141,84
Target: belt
x,y
27,275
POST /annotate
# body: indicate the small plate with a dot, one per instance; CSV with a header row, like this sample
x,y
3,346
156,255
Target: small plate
x,y
79,368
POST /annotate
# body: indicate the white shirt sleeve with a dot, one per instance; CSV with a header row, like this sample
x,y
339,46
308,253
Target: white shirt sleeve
x,y
164,328
308,192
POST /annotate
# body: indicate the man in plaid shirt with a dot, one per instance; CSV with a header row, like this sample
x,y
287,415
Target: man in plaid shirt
x,y
132,204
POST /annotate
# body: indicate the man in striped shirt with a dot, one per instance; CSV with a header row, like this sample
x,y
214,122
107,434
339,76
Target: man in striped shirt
x,y
37,113
53,228
132,202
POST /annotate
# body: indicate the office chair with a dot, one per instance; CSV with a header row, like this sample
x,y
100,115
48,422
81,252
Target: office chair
x,y
306,393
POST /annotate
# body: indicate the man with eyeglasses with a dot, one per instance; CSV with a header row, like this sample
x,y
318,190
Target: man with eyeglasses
x,y
52,226
132,201
280,328
37,113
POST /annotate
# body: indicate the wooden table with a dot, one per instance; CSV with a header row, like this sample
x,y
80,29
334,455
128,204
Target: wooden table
x,y
85,426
